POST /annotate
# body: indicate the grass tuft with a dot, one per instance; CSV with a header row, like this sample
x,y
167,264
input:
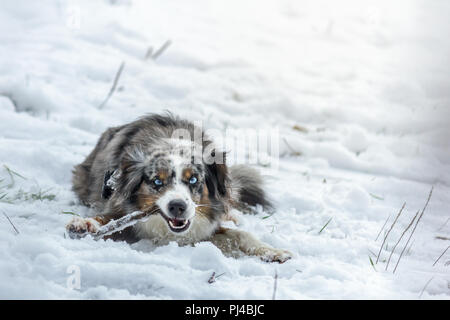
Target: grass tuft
x,y
8,196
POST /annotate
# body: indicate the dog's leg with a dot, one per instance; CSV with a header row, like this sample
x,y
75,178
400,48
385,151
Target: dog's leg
x,y
79,225
233,242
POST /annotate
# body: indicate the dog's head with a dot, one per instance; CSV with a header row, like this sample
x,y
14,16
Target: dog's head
x,y
174,181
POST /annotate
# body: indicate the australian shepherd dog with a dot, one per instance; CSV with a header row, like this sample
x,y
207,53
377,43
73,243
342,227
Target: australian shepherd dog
x,y
155,165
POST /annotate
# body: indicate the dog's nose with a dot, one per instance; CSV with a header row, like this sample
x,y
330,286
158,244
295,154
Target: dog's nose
x,y
177,207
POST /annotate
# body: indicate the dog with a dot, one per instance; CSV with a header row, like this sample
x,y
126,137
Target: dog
x,y
154,165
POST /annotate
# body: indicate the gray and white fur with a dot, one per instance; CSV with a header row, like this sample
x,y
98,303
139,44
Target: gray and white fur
x,y
146,166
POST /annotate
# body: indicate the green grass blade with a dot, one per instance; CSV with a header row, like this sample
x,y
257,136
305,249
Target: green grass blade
x,y
70,212
376,197
371,262
325,225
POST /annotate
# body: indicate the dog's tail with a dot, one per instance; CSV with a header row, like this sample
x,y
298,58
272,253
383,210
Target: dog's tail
x,y
247,191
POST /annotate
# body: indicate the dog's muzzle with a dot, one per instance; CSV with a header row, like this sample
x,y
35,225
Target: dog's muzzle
x,y
177,220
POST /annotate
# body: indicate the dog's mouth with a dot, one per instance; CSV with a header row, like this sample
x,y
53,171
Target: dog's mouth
x,y
176,224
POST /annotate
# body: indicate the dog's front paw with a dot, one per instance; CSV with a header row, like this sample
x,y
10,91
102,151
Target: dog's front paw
x,y
275,255
79,227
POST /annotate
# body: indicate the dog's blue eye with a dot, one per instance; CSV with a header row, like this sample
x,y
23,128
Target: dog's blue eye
x,y
158,182
193,180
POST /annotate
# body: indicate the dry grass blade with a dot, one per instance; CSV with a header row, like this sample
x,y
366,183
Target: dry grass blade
x,y
11,174
15,229
442,227
410,246
414,229
426,285
300,128
293,151
440,256
213,277
387,234
400,239
274,295
114,86
382,228
161,50
149,53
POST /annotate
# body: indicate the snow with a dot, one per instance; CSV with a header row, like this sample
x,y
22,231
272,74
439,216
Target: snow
x,y
367,80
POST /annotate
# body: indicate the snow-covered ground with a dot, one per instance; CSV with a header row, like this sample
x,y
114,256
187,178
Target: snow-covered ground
x,y
360,94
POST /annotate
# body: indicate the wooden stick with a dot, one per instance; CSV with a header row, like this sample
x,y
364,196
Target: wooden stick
x,y
114,225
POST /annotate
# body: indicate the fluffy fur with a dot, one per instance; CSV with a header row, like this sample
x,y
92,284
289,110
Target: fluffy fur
x,y
145,165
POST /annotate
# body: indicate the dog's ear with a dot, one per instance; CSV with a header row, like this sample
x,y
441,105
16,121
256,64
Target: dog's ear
x,y
132,173
217,174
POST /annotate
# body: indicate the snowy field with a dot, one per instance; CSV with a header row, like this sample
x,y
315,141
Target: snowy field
x,y
360,94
